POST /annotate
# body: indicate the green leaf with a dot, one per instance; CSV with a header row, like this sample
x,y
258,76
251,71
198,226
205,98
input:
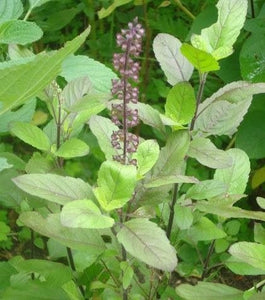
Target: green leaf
x,y
33,76
252,144
84,214
55,273
116,184
103,128
54,188
13,160
204,62
261,202
206,189
147,154
72,291
236,176
251,253
23,114
104,12
228,211
224,110
72,148
181,102
10,10
36,3
19,32
258,177
218,39
75,90
79,66
127,274
31,135
146,241
252,57
209,291
76,238
183,216
205,152
4,164
166,180
172,155
4,230
205,230
175,66
34,290
240,267
6,271
92,103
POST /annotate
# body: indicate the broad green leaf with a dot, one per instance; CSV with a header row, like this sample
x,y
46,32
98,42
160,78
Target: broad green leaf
x,y
54,188
13,160
147,154
167,52
224,110
91,104
84,214
258,178
75,90
218,39
76,238
23,114
181,102
6,271
252,144
31,134
205,152
205,230
40,164
209,291
252,57
116,184
172,155
72,148
236,176
251,253
33,76
19,32
36,3
34,290
183,216
240,267
206,189
259,233
103,128
204,62
72,291
104,12
147,242
4,230
149,115
55,273
79,66
4,164
229,211
166,180
10,10
127,274
261,202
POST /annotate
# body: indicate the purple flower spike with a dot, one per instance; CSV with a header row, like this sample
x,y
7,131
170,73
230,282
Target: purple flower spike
x,y
130,41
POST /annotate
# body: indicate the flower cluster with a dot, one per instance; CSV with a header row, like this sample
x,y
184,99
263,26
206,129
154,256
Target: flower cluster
x,y
130,41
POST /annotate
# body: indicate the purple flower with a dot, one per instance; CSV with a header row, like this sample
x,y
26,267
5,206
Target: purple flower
x,y
124,89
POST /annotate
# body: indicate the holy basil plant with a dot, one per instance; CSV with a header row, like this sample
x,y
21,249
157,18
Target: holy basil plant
x,y
150,217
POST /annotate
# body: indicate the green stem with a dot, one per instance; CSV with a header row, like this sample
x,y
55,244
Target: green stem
x,y
171,208
207,260
184,9
199,98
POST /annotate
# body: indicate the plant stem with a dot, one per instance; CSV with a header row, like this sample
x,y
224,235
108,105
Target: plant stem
x,y
199,98
32,249
171,207
184,9
207,260
111,275
252,8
